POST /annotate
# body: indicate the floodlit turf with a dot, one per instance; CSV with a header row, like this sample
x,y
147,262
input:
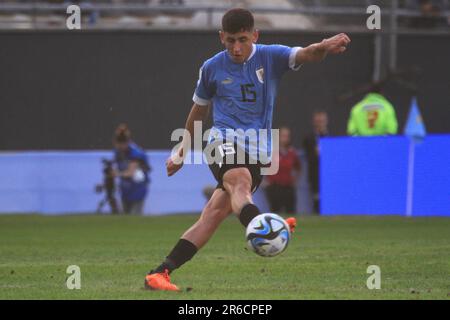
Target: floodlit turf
x,y
327,259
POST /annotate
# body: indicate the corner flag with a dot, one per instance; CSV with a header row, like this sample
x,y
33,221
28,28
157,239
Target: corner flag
x,y
415,127
415,130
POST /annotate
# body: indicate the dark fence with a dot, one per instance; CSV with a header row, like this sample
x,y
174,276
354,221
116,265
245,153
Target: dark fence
x,y
68,90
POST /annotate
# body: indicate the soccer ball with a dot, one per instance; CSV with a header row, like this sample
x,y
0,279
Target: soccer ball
x,y
268,235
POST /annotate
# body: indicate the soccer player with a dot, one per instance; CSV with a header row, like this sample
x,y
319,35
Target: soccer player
x,y
241,84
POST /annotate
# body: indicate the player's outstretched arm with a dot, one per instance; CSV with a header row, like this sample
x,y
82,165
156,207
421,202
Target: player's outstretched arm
x,y
318,51
198,113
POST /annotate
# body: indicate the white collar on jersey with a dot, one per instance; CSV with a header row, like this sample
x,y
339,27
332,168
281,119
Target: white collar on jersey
x,y
253,52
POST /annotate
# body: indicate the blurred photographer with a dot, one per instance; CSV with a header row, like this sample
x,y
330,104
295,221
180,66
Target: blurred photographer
x,y
132,169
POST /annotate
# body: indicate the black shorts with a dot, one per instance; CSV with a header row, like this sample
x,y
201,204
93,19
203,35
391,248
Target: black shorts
x,y
228,152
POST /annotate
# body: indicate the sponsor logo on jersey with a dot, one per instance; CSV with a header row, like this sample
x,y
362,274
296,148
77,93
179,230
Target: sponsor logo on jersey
x,y
227,81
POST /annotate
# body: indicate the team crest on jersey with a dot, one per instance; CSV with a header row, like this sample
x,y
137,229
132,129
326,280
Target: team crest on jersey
x,y
260,74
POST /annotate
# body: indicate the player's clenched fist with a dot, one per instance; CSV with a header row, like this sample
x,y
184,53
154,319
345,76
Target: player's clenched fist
x,y
318,51
173,164
336,44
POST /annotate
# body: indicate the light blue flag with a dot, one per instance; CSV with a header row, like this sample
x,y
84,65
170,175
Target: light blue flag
x,y
415,127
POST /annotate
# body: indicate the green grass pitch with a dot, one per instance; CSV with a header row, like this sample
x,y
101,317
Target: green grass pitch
x,y
326,259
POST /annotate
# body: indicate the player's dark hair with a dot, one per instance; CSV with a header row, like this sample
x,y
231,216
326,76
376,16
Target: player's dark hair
x,y
122,134
237,20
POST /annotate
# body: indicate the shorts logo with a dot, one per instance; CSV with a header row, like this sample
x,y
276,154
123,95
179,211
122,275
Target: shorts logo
x,y
260,74
224,149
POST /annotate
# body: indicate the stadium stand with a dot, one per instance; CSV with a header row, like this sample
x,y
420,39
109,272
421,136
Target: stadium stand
x,y
198,14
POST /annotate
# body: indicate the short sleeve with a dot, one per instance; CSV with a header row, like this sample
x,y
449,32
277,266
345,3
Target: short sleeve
x,y
204,91
283,58
137,154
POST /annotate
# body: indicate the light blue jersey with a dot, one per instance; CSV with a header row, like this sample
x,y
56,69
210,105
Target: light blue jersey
x,y
243,94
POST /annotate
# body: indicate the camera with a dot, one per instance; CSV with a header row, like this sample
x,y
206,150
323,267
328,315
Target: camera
x,y
108,187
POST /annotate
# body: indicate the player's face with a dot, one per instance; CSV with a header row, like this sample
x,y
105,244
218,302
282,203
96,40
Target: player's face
x,y
239,45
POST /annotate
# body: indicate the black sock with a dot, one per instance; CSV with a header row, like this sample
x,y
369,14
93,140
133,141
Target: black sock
x,y
248,212
183,251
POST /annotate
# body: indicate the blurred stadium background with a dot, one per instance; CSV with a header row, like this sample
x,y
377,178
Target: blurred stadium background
x,y
63,93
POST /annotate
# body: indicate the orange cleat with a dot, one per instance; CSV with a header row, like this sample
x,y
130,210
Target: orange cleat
x,y
159,281
292,222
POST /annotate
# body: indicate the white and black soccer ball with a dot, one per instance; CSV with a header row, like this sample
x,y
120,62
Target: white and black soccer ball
x,y
268,235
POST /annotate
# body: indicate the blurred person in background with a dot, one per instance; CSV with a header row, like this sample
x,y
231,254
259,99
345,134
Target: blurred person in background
x,y
281,188
430,13
311,147
373,116
132,169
